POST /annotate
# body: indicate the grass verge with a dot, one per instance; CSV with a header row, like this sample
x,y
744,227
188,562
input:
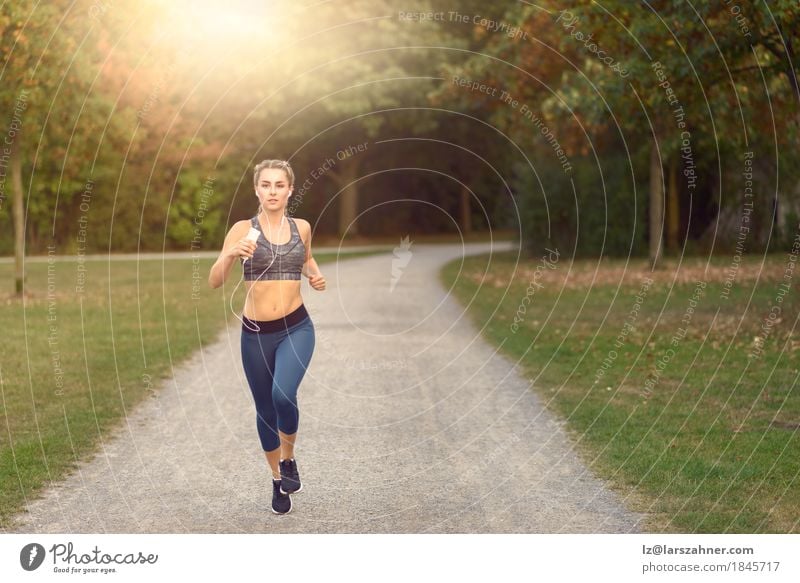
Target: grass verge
x,y
682,392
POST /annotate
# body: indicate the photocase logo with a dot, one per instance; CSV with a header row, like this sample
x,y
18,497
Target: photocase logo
x,y
31,556
402,255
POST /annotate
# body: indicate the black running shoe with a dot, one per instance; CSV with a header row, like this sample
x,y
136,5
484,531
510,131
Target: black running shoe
x,y
281,502
290,477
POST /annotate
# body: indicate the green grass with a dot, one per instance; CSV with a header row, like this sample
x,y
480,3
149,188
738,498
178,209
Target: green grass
x,y
710,445
113,343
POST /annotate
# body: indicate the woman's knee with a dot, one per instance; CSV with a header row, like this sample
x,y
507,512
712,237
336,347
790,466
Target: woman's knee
x,y
267,414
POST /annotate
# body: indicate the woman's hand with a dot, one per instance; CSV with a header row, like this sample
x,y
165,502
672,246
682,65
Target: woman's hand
x,y
317,281
243,248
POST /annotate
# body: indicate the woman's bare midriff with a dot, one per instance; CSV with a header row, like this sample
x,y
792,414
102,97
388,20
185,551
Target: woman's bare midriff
x,y
272,299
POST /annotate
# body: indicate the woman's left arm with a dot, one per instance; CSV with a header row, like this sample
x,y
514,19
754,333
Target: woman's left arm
x,y
310,267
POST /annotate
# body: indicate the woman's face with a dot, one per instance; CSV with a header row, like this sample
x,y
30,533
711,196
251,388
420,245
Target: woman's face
x,y
273,188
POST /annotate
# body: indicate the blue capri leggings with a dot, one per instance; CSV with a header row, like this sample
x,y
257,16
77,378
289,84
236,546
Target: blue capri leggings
x,y
275,360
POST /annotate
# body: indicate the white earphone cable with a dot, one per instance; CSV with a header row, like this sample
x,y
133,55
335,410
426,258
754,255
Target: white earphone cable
x,y
274,256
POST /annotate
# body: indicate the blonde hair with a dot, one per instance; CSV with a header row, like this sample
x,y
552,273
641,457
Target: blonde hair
x,y
282,164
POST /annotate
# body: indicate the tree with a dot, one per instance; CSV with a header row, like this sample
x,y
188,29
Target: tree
x,y
52,55
674,79
709,61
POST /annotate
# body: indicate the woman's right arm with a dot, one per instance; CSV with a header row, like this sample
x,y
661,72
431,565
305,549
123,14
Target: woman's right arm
x,y
235,246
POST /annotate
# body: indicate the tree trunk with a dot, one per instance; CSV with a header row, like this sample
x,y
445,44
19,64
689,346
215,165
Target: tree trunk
x,y
788,208
656,206
673,206
18,214
466,210
345,179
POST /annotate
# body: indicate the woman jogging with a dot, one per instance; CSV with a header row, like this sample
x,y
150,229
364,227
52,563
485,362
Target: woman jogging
x,y
278,335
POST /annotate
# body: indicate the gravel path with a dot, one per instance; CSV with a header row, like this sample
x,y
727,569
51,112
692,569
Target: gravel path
x,y
410,422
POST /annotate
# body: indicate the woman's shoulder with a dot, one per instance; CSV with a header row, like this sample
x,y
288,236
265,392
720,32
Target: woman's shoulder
x,y
240,228
301,223
244,224
237,231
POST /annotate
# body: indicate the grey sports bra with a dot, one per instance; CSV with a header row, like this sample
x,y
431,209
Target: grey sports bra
x,y
289,257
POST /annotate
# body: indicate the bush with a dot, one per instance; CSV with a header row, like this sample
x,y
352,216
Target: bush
x,y
601,215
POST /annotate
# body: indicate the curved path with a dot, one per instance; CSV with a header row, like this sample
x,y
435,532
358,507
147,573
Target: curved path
x,y
410,422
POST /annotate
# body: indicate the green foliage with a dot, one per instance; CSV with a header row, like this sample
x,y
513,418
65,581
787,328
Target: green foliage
x,y
596,212
146,111
66,118
194,215
719,86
